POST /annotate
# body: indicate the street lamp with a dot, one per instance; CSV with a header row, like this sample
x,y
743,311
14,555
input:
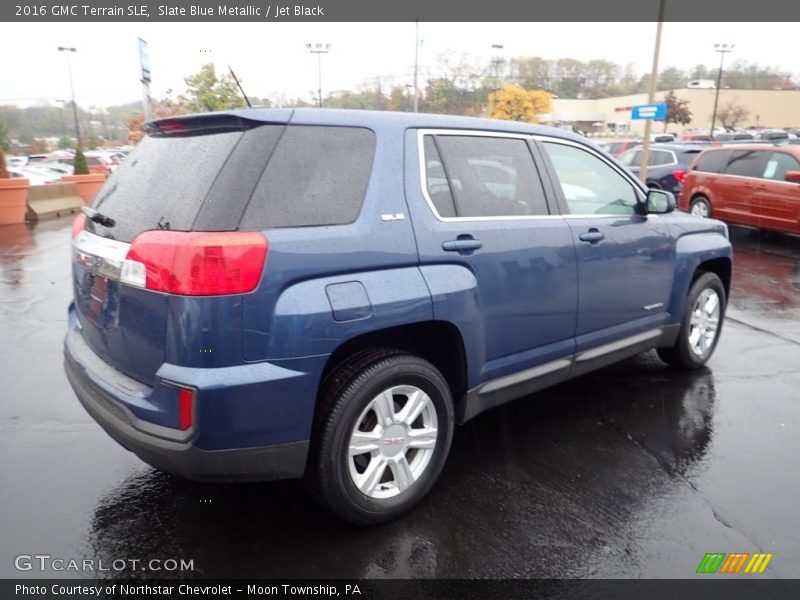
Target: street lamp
x,y
496,62
319,50
69,52
63,104
723,49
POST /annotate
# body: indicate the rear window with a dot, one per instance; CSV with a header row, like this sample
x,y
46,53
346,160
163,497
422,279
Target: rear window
x,y
267,176
162,184
712,162
316,176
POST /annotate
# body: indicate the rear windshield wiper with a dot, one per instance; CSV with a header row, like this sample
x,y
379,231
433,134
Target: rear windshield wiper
x,y
98,217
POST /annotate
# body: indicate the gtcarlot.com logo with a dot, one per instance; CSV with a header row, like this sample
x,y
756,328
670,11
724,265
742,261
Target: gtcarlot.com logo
x,y
734,563
46,562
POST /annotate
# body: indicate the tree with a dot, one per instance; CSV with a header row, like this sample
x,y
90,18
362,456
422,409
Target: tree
x,y
677,110
671,78
732,114
5,138
80,164
517,104
65,143
3,168
207,92
38,146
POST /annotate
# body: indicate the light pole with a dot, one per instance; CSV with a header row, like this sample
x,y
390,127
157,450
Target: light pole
x,y
496,62
723,49
69,52
319,50
63,104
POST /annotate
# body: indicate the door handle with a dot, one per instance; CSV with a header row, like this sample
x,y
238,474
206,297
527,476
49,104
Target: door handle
x,y
592,236
462,244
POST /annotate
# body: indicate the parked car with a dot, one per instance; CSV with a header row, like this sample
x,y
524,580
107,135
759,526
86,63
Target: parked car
x,y
264,294
755,185
662,138
733,137
36,175
666,165
617,147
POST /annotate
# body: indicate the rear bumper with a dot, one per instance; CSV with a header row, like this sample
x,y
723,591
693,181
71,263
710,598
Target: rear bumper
x,y
280,461
251,422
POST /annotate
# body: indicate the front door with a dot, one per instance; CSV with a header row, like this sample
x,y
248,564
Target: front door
x,y
625,258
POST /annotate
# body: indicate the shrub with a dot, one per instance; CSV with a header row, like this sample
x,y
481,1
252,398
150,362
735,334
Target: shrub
x,y
3,169
81,165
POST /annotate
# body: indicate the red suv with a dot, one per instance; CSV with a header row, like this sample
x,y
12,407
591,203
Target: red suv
x,y
755,185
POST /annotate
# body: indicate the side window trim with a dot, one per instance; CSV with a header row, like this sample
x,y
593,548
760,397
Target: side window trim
x,y
421,133
559,195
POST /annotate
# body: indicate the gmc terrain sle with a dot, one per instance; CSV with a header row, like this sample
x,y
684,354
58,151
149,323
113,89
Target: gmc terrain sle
x,y
269,294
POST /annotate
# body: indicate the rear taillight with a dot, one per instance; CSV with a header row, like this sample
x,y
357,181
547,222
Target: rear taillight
x,y
680,176
196,263
78,225
185,408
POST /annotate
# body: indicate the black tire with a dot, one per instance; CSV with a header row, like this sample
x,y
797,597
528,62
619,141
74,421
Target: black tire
x,y
681,355
344,397
702,203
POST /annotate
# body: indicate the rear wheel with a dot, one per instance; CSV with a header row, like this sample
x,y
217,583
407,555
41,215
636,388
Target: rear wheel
x,y
700,207
701,326
382,436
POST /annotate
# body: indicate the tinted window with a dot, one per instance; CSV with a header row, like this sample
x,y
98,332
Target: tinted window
x,y
660,157
747,163
491,176
163,183
436,180
778,164
712,162
316,176
632,158
589,185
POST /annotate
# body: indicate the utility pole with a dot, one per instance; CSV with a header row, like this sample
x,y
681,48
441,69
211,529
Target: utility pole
x,y
648,125
416,67
319,50
69,52
723,49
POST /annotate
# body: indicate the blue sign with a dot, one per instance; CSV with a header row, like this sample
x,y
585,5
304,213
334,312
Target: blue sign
x,y
649,112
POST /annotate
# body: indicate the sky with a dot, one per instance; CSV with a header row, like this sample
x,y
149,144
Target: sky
x,y
272,60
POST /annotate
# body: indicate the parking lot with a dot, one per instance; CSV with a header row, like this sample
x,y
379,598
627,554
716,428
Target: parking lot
x,y
633,471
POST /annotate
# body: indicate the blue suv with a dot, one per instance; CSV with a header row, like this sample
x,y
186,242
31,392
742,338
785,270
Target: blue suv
x,y
266,294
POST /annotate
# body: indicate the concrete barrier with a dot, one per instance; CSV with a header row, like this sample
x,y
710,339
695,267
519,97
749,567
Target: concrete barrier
x,y
53,200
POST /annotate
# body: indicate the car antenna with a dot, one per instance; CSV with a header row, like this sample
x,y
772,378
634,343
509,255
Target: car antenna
x,y
246,99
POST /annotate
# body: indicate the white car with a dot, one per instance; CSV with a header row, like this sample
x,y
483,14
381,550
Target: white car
x,y
36,175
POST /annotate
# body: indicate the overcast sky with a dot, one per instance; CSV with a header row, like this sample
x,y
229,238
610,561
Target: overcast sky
x,y
271,58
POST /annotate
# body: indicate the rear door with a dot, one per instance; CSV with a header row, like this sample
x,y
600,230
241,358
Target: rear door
x,y
625,259
739,187
778,200
480,215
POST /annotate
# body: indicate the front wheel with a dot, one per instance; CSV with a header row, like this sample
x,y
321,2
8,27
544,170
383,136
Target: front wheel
x,y
382,436
701,326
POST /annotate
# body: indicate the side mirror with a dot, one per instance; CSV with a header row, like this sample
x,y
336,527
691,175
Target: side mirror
x,y
660,202
793,176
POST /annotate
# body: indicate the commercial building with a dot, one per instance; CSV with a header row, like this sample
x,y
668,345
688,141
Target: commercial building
x,y
604,116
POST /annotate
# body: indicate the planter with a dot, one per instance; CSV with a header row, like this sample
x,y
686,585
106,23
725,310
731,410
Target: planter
x,y
13,200
88,185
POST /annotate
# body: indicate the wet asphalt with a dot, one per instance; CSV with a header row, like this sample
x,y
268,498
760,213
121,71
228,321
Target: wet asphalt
x,y
633,471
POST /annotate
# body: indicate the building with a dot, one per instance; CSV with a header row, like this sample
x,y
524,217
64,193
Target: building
x,y
612,116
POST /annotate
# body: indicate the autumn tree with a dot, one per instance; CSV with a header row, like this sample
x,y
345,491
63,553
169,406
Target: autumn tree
x,y
677,110
518,104
732,114
209,92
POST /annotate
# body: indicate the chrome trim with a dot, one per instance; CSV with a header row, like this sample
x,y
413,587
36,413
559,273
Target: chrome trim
x,y
99,255
522,376
618,345
421,133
